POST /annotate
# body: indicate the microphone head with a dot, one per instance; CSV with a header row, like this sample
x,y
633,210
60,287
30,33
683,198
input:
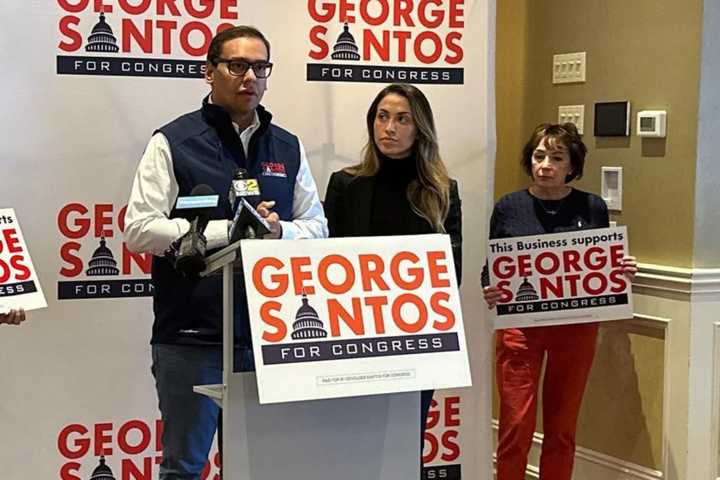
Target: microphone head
x,y
240,174
202,190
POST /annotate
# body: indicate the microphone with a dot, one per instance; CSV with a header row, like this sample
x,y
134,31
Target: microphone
x,y
247,223
242,186
200,205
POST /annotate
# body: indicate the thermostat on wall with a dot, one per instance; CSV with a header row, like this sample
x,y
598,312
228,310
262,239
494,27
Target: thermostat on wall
x,y
652,123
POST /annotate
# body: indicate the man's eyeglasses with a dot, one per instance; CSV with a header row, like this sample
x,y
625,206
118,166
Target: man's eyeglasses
x,y
239,68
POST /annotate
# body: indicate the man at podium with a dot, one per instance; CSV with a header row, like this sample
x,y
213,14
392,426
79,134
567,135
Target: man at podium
x,y
230,131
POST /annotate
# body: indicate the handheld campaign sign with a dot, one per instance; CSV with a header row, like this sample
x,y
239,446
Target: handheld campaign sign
x,y
354,316
19,285
560,279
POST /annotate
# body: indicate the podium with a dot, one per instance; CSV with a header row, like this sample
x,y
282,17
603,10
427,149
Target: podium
x,y
358,438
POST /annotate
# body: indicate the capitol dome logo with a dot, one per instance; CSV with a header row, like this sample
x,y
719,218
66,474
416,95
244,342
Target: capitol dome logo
x,y
345,48
102,38
307,323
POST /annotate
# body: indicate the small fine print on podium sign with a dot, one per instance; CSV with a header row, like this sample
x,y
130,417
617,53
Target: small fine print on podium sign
x,y
560,279
19,284
343,317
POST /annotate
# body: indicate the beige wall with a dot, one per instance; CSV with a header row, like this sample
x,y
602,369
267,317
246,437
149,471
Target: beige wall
x,y
645,51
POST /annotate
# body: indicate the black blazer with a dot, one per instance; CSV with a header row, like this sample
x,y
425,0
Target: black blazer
x,y
347,208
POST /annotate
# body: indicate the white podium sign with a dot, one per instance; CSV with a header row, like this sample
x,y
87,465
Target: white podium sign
x,y
560,279
19,284
354,316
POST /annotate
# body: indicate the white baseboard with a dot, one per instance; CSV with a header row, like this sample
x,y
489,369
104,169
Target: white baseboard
x,y
592,465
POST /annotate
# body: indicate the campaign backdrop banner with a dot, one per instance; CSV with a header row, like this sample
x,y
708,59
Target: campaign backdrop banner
x,y
85,84
559,279
19,285
344,317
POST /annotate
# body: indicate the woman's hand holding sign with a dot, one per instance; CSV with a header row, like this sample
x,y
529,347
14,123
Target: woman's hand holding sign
x,y
492,296
629,267
13,317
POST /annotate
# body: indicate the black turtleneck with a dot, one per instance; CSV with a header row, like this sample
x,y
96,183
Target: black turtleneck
x,y
390,212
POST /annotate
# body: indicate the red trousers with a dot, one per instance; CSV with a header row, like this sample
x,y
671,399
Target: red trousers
x,y
519,354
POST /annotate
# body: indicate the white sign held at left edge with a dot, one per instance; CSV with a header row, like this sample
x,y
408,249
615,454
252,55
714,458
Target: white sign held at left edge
x,y
19,284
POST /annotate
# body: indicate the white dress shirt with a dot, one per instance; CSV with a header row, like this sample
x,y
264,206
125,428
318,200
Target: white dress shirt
x,y
155,191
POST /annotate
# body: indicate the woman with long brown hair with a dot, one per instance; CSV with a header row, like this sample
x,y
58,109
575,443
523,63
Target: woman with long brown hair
x,y
401,186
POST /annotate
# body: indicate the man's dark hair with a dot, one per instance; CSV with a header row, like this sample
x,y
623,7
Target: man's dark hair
x,y
216,45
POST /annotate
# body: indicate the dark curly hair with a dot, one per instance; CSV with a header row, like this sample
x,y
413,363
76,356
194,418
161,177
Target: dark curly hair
x,y
566,134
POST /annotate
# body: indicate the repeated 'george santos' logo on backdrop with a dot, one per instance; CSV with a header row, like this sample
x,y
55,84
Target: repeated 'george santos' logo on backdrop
x,y
147,38
414,41
94,260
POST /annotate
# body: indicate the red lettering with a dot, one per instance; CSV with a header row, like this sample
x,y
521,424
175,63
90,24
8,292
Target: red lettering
x,y
300,276
449,441
169,5
22,272
405,325
452,411
317,35
82,225
402,38
416,273
166,28
225,12
73,7
266,315
371,42
553,267
142,260
436,17
554,286
572,279
602,283
138,9
279,280
321,16
503,268
403,10
507,294
73,40
11,240
570,261
442,310
436,269
103,439
376,303
103,218
130,471
619,281
143,443
452,42
70,471
436,45
524,265
594,258
339,288
455,14
337,312
371,269
185,33
130,32
382,16
68,253
99,6
76,448
617,252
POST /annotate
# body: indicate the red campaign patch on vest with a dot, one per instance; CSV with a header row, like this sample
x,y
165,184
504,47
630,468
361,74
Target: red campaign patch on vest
x,y
273,169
